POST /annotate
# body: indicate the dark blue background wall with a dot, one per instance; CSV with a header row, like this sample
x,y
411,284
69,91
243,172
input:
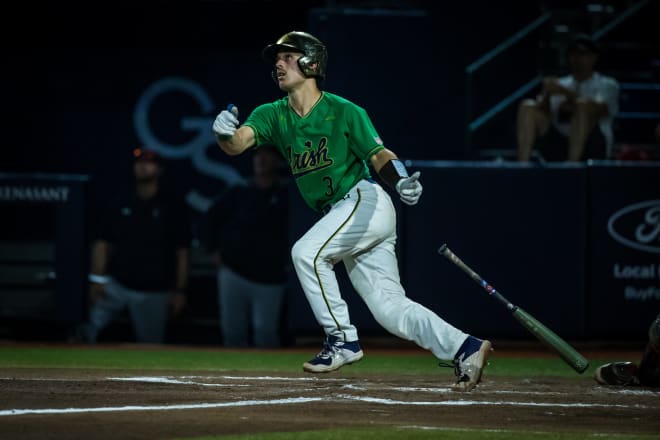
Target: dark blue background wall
x,y
102,80
577,246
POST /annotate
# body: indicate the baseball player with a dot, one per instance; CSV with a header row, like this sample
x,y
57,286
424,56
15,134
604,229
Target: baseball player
x,y
329,143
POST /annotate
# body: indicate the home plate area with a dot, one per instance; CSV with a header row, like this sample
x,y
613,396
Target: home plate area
x,y
104,404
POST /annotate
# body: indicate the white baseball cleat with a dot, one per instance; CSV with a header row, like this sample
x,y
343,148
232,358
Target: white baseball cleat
x,y
335,354
470,363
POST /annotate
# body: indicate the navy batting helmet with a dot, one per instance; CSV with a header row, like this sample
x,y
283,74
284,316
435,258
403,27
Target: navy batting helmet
x,y
314,61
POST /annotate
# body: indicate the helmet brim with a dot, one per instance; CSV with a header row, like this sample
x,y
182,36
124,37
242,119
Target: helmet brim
x,y
270,52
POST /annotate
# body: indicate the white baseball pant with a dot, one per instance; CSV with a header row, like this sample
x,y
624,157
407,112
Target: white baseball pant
x,y
360,230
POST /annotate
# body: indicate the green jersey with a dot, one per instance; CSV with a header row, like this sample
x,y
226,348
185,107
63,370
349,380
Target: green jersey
x,y
327,149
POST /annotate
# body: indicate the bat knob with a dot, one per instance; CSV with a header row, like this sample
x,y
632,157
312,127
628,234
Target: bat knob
x,y
443,248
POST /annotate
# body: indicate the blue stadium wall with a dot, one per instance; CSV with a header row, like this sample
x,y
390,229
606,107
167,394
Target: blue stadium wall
x,y
573,245
577,246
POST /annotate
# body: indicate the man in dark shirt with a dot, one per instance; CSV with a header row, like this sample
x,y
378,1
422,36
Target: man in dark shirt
x,y
141,256
247,239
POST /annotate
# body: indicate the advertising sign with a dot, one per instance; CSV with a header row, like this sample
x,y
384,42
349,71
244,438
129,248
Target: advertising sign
x,y
625,249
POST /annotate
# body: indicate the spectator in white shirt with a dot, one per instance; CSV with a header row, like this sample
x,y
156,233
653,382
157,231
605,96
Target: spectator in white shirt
x,y
572,118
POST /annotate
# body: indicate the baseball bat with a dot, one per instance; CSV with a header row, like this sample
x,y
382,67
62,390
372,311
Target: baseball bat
x,y
542,333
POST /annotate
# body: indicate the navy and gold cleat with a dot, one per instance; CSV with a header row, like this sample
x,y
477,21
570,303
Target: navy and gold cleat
x,y
335,354
470,362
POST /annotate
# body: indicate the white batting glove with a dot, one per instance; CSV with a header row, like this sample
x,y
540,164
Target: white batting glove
x,y
226,122
409,189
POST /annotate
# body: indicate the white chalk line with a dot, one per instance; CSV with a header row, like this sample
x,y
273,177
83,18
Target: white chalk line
x,y
627,391
164,379
148,378
167,380
274,378
443,390
481,402
18,412
293,400
297,400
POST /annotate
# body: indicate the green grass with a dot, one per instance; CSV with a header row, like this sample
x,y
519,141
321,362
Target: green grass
x,y
147,359
253,360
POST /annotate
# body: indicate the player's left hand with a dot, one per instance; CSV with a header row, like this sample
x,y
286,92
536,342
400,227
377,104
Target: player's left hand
x,y
409,189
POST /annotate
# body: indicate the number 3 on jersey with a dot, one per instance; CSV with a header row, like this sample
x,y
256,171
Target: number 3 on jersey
x,y
331,190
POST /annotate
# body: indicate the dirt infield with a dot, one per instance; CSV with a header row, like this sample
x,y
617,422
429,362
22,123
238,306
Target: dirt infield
x,y
111,404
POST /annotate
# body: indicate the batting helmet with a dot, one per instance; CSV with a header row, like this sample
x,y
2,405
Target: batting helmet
x,y
314,61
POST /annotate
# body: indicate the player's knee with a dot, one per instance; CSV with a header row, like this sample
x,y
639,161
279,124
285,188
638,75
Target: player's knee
x,y
528,105
530,114
528,108
390,312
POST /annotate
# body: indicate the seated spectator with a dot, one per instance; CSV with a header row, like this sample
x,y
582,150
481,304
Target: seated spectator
x,y
571,119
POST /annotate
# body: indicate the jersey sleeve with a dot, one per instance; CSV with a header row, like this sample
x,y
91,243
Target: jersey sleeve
x,y
365,141
262,120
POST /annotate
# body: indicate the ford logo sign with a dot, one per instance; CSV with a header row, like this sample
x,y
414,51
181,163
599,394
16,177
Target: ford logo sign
x,y
637,226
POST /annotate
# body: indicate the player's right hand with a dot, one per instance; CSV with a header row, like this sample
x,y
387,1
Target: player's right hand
x,y
409,189
226,122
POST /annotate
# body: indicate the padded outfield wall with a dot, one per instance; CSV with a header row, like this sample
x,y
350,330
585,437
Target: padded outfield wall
x,y
578,246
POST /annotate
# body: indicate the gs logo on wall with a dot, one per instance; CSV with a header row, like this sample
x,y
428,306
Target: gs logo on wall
x,y
637,226
200,127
